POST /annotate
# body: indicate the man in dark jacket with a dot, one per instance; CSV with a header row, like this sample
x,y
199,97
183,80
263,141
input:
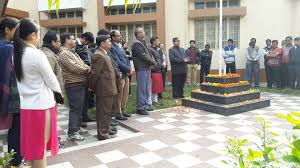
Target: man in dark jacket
x,y
143,61
119,55
178,61
85,54
193,54
294,64
205,60
266,51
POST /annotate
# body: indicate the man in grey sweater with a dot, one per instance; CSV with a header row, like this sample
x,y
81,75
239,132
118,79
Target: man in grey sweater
x,y
252,65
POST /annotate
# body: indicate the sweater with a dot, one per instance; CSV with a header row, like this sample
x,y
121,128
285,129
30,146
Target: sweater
x,y
229,54
74,70
252,55
285,54
38,83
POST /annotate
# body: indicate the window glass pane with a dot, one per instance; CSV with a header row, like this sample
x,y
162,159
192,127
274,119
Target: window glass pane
x,y
147,29
123,31
54,29
129,11
211,4
138,10
79,32
153,10
72,31
225,4
78,14
234,3
146,10
113,11
211,33
53,15
235,30
199,32
154,29
121,11
62,15
71,14
199,5
62,30
130,35
224,32
114,27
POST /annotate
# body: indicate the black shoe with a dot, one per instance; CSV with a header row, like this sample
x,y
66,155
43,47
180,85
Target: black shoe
x,y
114,123
83,124
181,97
87,119
126,114
142,112
100,138
151,108
113,128
113,132
122,118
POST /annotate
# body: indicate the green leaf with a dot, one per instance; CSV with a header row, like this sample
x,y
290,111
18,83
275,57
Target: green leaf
x,y
297,145
296,127
280,116
295,113
291,159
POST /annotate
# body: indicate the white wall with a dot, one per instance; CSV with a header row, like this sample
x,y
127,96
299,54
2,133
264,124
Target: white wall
x,y
90,16
26,5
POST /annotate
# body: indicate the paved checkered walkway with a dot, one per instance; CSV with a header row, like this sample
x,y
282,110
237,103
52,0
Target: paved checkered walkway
x,y
178,137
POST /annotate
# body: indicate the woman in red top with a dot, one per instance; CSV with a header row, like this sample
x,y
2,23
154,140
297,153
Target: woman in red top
x,y
274,61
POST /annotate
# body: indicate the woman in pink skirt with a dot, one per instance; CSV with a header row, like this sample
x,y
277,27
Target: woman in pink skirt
x,y
36,84
156,76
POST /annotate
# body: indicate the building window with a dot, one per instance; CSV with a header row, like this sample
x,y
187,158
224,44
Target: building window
x,y
79,14
75,31
153,9
202,4
53,15
207,32
113,11
234,3
129,11
71,14
146,10
211,4
62,15
127,31
199,5
122,11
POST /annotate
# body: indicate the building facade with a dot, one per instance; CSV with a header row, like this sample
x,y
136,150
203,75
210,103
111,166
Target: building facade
x,y
187,19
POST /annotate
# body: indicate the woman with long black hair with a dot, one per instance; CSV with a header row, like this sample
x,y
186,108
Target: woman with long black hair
x,y
9,95
36,83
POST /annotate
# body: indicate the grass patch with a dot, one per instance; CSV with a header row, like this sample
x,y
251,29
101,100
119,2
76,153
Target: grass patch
x,y
287,91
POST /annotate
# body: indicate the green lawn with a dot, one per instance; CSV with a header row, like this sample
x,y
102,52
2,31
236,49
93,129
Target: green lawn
x,y
166,102
292,92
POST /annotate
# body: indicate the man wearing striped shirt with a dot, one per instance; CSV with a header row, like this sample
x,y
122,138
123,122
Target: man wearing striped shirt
x,y
75,74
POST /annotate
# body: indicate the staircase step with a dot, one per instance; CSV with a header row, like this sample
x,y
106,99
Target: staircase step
x,y
222,80
226,110
222,90
221,99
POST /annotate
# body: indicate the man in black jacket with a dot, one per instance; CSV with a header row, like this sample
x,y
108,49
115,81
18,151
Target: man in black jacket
x,y
178,61
294,64
143,61
85,54
205,60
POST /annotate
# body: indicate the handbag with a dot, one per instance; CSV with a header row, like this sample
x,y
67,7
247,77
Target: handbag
x,y
58,98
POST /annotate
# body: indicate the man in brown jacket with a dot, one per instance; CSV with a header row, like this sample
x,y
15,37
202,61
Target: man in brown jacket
x,y
75,74
103,83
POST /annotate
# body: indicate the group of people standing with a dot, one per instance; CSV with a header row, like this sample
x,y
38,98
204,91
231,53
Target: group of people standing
x,y
280,63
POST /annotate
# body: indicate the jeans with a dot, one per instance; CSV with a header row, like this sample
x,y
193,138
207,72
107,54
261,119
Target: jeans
x,y
143,82
252,70
76,97
85,108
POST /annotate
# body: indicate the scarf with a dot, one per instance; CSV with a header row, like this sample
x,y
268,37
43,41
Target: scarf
x,y
6,67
